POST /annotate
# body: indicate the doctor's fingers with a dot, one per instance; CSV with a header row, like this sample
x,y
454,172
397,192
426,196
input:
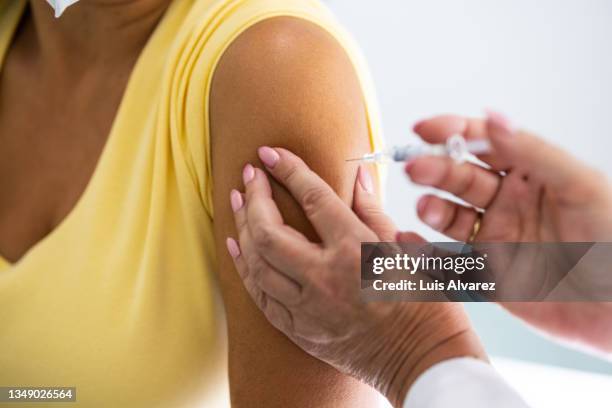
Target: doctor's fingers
x,y
279,316
280,289
250,263
258,296
260,279
264,284
273,308
439,128
467,181
368,208
543,162
286,249
329,215
451,219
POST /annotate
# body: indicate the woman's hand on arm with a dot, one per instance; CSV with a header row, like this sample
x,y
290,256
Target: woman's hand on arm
x,y
283,82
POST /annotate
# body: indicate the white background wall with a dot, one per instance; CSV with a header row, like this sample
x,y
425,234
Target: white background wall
x,y
546,64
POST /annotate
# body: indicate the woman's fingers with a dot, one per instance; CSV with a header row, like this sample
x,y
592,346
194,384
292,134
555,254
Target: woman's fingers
x,y
331,218
439,128
280,245
467,181
451,219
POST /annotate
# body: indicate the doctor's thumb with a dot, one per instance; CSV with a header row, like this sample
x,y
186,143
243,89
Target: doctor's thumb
x,y
533,156
367,207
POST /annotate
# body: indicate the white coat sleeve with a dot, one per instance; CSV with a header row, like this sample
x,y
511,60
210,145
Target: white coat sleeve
x,y
462,382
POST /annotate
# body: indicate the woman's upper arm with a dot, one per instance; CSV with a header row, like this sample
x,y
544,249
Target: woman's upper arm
x,y
283,82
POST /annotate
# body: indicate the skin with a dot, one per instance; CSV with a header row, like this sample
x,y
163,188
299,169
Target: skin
x,y
285,82
53,125
546,196
311,291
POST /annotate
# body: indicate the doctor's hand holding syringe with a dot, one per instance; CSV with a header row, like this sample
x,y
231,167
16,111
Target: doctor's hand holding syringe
x,y
532,192
527,191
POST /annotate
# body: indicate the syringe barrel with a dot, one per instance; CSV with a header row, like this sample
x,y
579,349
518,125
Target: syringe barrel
x,y
412,151
456,147
480,146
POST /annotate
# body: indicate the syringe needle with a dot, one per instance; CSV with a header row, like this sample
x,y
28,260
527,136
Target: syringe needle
x,y
355,159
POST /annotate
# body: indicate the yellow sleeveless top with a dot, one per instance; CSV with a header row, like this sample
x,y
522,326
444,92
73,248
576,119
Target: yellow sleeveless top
x,y
120,300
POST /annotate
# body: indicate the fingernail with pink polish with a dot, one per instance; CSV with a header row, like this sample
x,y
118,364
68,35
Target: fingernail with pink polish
x,y
232,248
268,156
236,200
365,179
248,173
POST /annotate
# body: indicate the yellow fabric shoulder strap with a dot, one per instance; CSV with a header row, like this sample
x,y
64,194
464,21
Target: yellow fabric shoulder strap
x,y
211,29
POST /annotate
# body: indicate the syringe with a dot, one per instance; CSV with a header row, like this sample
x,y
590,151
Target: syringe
x,y
456,147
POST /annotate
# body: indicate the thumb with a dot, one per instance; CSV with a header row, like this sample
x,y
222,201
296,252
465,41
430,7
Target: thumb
x,y
534,156
367,207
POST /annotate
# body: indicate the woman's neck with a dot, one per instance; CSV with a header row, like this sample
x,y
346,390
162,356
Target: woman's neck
x,y
92,31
